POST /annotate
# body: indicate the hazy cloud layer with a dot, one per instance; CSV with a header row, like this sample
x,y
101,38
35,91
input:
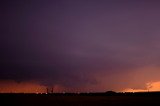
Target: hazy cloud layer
x,y
80,43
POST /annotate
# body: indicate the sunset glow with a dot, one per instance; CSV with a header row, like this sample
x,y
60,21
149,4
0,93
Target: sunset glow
x,y
80,46
21,87
150,87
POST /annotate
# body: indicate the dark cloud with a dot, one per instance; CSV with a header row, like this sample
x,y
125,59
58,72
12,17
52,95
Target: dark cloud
x,y
73,43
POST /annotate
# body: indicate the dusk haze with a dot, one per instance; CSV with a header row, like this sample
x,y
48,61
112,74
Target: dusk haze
x,y
79,46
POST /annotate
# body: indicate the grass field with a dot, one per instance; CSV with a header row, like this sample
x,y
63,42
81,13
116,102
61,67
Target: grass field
x,y
78,100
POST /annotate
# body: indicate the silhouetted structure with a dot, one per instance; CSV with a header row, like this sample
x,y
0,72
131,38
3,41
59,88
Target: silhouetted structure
x,y
49,90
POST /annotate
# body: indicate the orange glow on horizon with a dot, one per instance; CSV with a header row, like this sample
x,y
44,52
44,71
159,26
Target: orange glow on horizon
x,y
22,87
150,87
11,86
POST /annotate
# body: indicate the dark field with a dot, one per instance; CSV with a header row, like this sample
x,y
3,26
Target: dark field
x,y
80,99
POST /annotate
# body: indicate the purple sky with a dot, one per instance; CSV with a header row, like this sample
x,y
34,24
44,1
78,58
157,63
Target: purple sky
x,y
98,44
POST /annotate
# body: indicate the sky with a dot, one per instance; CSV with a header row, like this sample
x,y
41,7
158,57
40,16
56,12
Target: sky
x,y
79,45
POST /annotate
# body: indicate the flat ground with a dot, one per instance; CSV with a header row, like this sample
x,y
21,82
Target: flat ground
x,y
78,100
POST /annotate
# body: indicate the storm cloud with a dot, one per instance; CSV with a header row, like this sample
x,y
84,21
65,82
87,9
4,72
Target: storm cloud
x,y
80,43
